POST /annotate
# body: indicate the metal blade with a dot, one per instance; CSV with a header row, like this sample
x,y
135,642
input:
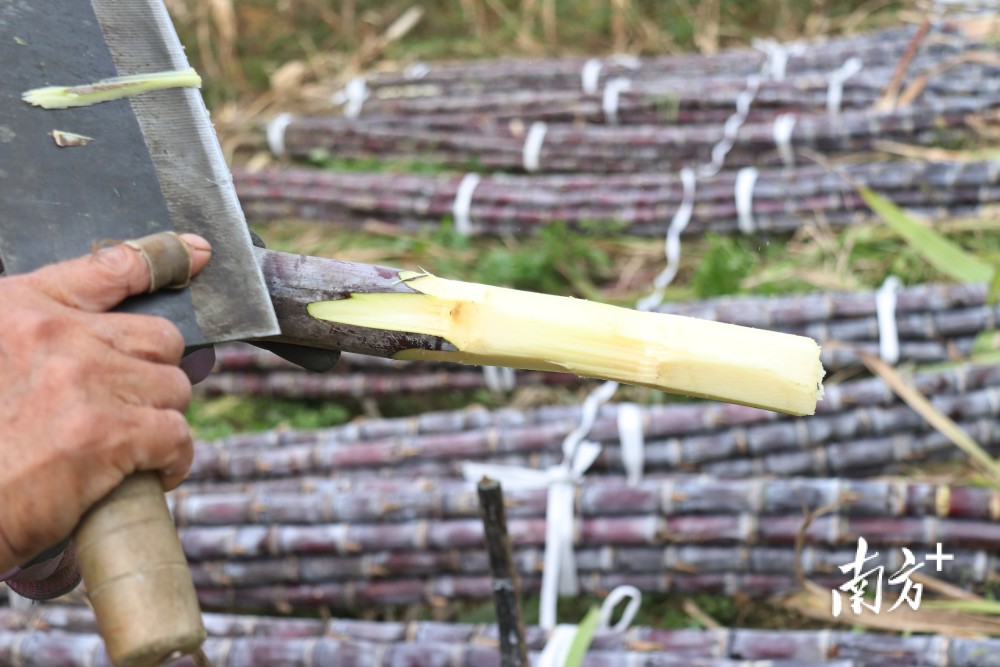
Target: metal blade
x,y
154,165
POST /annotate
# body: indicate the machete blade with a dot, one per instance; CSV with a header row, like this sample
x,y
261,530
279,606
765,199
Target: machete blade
x,y
154,163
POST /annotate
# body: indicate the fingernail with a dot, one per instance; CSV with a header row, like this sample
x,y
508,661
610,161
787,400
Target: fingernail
x,y
201,251
197,243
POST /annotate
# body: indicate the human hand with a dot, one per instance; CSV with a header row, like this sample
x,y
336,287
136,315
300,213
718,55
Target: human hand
x,y
86,397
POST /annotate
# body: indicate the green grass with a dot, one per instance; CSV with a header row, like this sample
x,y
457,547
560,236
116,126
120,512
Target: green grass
x,y
227,415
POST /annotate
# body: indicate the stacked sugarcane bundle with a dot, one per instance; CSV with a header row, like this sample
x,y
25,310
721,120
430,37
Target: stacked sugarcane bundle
x,y
860,427
675,100
467,79
244,370
633,148
640,203
63,635
348,542
935,323
661,115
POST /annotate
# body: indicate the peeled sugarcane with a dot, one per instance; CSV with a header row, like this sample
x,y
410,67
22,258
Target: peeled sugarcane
x,y
361,500
935,323
967,568
631,148
639,203
415,315
55,623
925,313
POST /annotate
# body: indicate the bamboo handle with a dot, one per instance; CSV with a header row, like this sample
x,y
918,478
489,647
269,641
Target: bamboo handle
x,y
137,577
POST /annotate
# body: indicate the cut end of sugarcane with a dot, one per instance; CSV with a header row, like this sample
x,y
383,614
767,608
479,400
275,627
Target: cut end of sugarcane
x,y
64,97
494,326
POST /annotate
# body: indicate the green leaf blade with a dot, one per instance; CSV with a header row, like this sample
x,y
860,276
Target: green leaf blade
x,y
581,641
941,253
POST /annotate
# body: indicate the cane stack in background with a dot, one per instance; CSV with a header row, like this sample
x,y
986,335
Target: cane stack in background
x,y
383,511
683,497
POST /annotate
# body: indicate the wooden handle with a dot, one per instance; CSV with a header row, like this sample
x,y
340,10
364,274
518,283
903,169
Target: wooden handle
x,y
137,577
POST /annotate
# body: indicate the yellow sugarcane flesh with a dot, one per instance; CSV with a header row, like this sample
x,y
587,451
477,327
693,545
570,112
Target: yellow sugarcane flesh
x,y
504,327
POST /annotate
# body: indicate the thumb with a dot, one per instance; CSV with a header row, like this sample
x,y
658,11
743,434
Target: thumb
x,y
103,279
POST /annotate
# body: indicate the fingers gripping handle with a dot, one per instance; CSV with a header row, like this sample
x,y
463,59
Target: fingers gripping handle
x,y
129,554
137,577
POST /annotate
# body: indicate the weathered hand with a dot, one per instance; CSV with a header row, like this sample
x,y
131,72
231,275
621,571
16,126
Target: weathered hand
x,y
86,396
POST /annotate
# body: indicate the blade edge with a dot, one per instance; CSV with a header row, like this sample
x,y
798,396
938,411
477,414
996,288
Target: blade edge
x,y
230,298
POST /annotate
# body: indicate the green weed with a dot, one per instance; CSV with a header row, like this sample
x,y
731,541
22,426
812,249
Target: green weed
x,y
722,266
226,415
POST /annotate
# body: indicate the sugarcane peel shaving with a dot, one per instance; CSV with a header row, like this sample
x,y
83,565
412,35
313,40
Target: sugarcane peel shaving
x,y
504,327
64,97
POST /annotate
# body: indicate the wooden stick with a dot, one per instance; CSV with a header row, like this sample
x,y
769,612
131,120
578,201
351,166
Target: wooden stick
x,y
506,585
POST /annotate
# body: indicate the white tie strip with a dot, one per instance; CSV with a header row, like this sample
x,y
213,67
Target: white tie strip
x,y
746,179
835,91
462,205
784,124
532,152
885,315
609,102
275,132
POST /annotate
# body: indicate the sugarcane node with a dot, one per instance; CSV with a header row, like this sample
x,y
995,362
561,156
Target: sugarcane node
x,y
168,258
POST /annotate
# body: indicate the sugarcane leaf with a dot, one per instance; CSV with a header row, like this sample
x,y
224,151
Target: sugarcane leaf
x,y
933,416
582,639
994,292
941,253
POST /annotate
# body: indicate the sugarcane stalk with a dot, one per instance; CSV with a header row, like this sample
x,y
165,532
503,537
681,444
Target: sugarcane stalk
x,y
438,590
854,438
630,148
259,541
408,377
79,650
410,315
880,48
659,420
969,567
441,590
55,623
294,384
862,458
643,203
362,500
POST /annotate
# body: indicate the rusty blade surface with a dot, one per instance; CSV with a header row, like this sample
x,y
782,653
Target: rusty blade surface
x,y
154,163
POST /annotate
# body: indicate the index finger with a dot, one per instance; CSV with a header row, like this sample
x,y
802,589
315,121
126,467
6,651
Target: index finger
x,y
100,281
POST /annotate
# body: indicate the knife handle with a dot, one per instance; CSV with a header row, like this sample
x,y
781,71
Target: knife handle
x,y
137,577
